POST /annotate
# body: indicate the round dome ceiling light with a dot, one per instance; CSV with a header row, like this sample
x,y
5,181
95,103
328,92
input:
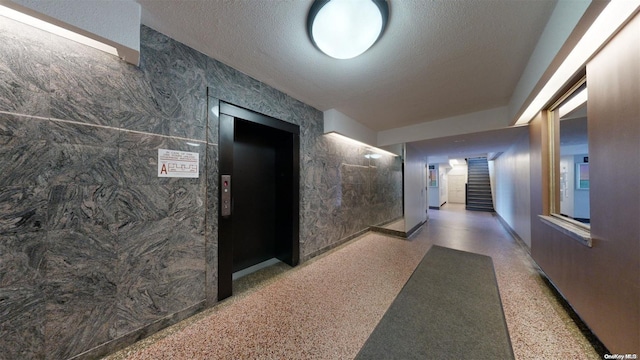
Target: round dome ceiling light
x,y
344,29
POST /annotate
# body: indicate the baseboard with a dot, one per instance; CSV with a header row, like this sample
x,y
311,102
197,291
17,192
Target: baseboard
x,y
597,345
511,231
415,229
333,245
136,335
390,232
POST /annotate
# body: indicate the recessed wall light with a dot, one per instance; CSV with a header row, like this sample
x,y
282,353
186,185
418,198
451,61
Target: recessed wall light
x,y
610,20
57,30
577,100
344,29
347,139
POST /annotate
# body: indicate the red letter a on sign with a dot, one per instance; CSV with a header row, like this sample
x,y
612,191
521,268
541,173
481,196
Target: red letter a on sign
x,y
164,169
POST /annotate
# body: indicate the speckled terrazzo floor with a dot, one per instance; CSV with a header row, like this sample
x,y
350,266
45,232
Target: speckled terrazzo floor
x,y
396,225
327,307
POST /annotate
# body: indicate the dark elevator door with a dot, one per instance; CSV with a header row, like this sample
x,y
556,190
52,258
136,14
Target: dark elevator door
x,y
255,205
260,157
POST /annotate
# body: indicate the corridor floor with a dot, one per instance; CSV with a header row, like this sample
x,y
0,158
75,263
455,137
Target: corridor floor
x,y
327,307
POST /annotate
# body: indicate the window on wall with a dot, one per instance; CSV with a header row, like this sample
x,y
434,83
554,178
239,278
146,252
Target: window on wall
x,y
569,162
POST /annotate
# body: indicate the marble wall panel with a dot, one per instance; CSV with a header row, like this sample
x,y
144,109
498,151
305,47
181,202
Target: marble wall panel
x,y
80,284
25,163
64,207
24,64
186,206
22,209
19,127
83,164
386,189
65,132
354,174
153,124
74,206
162,271
22,310
85,83
232,86
21,259
142,203
175,76
98,206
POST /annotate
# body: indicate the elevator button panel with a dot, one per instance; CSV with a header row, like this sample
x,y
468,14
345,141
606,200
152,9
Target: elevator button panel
x,y
225,196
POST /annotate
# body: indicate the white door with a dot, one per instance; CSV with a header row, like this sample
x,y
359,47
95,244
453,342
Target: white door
x,y
456,189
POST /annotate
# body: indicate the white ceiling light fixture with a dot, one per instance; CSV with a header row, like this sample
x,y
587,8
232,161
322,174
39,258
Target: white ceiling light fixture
x,y
344,29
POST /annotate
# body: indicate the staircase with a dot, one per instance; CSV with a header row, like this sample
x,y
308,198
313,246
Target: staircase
x,y
478,185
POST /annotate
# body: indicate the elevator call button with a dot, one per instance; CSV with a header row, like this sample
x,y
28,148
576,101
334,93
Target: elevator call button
x,y
225,196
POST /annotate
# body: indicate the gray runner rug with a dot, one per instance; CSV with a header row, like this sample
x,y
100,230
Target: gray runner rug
x,y
449,308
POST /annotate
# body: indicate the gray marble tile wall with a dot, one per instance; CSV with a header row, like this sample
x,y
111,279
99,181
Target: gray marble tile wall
x,y
94,247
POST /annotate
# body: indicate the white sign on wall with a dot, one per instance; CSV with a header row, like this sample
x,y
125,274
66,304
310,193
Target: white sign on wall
x,y
181,164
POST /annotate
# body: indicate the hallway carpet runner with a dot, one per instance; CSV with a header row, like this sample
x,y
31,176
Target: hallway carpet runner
x,y
449,308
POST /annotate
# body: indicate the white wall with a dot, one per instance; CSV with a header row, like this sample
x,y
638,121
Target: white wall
x,y
459,169
573,202
581,206
513,202
415,199
443,185
567,185
434,194
335,121
492,179
491,119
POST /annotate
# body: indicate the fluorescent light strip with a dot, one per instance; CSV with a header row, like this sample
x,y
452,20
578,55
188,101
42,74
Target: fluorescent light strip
x,y
577,100
607,23
57,30
356,142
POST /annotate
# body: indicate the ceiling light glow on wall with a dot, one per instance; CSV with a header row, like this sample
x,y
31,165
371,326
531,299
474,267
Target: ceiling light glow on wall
x,y
54,29
344,29
612,18
577,100
347,139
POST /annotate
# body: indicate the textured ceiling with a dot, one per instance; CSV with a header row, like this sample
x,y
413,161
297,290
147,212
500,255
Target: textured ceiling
x,y
436,59
468,145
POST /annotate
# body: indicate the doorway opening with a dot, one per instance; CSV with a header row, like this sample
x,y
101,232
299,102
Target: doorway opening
x,y
259,194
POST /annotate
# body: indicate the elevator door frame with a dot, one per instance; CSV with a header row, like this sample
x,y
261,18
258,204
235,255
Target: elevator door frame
x,y
228,114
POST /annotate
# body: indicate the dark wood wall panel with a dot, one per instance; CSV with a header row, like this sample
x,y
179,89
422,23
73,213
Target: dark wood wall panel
x,y
613,78
603,283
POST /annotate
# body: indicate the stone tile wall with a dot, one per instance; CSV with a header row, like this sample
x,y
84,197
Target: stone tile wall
x,y
95,249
